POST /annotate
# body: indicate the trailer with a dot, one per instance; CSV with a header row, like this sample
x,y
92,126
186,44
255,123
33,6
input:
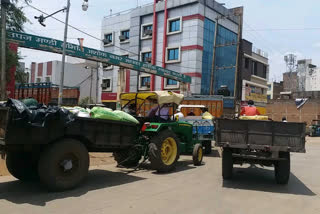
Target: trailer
x,y
267,143
47,93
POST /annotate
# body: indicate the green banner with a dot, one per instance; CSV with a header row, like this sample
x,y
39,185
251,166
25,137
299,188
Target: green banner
x,y
55,46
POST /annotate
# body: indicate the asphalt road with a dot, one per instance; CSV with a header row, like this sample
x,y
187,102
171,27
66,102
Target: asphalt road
x,y
188,190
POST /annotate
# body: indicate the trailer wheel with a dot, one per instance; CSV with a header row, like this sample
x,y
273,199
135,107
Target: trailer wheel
x,y
197,154
227,164
63,165
164,151
282,168
23,165
207,147
127,158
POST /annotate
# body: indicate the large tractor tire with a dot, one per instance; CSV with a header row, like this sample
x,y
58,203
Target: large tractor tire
x,y
164,151
197,154
64,165
207,147
227,164
127,158
282,168
23,165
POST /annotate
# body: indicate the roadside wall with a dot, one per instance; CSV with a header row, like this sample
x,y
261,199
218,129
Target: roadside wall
x,y
276,109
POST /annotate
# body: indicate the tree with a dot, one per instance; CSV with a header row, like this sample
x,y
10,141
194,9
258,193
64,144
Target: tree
x,y
15,20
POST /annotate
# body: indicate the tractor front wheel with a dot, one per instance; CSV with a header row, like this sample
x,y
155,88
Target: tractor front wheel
x,y
197,154
164,151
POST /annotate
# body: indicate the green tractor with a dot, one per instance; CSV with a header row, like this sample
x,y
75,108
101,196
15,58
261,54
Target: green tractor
x,y
162,137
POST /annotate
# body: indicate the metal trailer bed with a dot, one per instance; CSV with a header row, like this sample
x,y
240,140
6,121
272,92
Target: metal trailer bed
x,y
259,142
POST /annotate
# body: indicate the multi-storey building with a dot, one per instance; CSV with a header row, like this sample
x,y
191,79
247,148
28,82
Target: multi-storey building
x,y
178,35
82,74
274,90
254,75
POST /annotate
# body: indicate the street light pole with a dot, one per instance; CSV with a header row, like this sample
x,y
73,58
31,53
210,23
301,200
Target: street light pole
x,y
3,78
64,55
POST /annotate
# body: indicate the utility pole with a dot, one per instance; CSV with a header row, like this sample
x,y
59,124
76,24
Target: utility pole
x,y
91,85
4,4
214,56
64,55
97,83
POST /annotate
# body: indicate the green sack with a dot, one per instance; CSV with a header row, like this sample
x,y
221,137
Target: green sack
x,y
103,113
30,102
126,117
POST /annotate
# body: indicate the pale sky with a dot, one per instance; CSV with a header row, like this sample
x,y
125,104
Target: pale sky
x,y
277,27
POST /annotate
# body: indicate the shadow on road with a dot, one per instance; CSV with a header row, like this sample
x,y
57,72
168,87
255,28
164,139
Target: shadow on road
x,y
33,193
260,179
215,153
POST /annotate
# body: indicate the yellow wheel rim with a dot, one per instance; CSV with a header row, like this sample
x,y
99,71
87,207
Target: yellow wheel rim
x,y
169,151
200,152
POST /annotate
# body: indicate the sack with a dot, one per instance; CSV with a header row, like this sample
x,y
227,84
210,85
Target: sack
x,y
126,117
103,113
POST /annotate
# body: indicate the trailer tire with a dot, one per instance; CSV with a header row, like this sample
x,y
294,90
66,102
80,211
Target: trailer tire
x,y
282,168
207,147
164,151
23,165
227,164
197,154
63,165
127,158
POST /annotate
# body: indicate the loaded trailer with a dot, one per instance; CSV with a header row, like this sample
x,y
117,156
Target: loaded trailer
x,y
267,143
55,150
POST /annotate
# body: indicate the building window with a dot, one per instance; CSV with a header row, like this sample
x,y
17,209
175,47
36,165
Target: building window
x,y
146,31
38,80
106,84
48,79
173,55
124,36
171,84
108,39
254,68
146,57
174,25
246,63
144,83
264,71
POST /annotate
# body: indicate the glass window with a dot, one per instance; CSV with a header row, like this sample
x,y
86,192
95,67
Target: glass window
x,y
174,25
264,71
246,63
108,38
147,30
171,82
146,57
126,34
254,68
106,84
145,81
173,54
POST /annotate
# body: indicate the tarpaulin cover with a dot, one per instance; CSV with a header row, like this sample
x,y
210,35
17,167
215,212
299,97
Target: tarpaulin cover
x,y
39,117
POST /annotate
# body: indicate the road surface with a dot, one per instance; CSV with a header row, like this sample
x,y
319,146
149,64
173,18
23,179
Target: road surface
x,y
188,190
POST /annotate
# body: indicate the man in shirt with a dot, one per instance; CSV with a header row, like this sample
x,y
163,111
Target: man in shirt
x,y
250,110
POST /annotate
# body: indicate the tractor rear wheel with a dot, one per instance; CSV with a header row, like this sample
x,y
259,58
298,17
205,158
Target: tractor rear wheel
x,y
197,154
164,151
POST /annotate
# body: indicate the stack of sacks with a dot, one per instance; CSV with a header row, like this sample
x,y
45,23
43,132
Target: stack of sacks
x,y
108,114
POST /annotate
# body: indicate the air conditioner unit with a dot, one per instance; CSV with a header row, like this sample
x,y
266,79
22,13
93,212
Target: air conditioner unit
x,y
122,38
106,41
147,32
104,85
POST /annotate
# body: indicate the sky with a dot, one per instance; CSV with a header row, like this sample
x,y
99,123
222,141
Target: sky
x,y
278,27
